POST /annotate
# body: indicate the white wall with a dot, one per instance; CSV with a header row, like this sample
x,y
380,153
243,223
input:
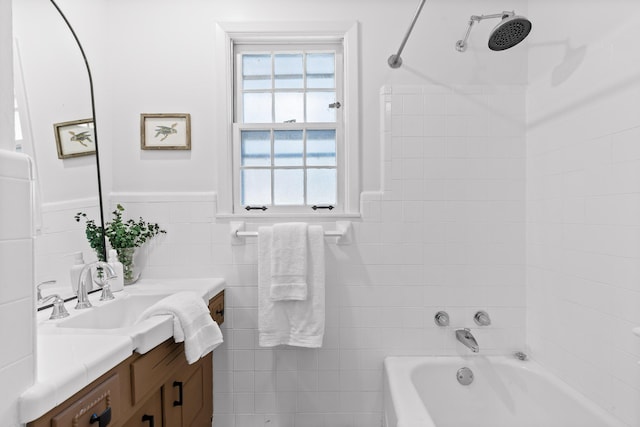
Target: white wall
x,y
17,362
161,59
57,242
583,194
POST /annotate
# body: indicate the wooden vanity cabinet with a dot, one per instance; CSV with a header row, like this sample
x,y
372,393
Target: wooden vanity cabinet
x,y
155,389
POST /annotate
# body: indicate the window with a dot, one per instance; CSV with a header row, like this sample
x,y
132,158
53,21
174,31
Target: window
x,y
287,132
294,92
18,125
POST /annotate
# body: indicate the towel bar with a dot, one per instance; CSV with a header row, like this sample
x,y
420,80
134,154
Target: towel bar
x,y
334,233
342,232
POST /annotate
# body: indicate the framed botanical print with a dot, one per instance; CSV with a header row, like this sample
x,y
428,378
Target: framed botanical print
x,y
75,138
165,131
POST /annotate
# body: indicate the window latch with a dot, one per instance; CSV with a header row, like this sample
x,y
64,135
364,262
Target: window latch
x,y
316,207
336,105
255,208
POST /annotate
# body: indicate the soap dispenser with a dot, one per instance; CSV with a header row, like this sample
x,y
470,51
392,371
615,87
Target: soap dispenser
x,y
76,268
117,283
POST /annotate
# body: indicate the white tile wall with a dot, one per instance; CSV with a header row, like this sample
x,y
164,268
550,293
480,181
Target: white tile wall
x,y
16,284
58,239
447,232
583,199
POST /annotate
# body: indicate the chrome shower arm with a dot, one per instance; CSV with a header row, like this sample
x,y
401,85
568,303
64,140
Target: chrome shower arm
x,y
461,45
395,61
505,14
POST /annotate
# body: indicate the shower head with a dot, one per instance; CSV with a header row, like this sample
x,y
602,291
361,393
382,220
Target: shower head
x,y
508,33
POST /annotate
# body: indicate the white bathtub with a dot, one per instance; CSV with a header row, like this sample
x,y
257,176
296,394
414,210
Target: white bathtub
x,y
505,392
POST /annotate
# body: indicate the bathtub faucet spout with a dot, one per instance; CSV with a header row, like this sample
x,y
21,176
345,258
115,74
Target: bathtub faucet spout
x,y
466,337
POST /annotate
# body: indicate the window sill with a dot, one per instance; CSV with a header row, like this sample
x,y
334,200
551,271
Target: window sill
x,y
338,216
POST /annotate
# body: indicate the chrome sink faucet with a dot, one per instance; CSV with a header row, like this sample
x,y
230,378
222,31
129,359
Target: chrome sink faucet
x,y
85,279
466,337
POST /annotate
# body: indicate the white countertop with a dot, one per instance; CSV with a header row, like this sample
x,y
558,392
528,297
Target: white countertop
x,y
69,359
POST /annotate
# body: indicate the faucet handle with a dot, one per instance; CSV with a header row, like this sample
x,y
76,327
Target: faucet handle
x,y
106,294
104,284
482,318
441,318
39,288
59,310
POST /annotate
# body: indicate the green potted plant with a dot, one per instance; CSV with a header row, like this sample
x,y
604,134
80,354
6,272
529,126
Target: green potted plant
x,y
124,237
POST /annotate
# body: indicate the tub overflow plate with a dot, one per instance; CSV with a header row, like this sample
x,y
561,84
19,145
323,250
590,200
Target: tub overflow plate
x,y
464,376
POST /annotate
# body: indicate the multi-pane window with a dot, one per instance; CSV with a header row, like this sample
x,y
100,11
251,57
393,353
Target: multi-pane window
x,y
288,127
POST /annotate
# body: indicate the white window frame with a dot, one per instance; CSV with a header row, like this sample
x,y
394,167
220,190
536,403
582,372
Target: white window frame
x,y
229,34
240,125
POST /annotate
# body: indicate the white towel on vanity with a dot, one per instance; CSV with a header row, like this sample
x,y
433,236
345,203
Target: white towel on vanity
x,y
296,323
289,262
192,323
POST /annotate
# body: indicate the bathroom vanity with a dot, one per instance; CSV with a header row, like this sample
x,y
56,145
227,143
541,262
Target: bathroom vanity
x,y
154,389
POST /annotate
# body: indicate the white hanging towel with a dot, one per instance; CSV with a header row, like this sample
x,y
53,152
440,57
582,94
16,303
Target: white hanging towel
x,y
192,323
289,262
295,323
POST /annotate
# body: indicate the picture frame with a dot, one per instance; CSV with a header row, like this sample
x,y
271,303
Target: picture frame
x,y
165,131
75,138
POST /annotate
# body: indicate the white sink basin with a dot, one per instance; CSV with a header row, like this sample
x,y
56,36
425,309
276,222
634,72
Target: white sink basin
x,y
119,317
116,314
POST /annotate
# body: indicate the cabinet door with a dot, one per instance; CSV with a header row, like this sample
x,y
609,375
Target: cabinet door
x,y
189,395
150,414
